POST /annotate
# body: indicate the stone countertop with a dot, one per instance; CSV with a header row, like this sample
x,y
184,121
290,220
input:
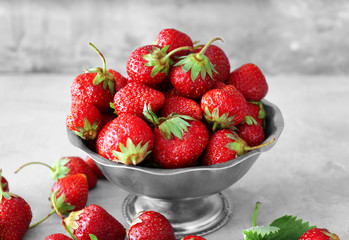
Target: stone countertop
x,y
306,174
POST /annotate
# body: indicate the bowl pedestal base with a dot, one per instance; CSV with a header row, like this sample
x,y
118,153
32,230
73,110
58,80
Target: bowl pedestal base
x,y
197,216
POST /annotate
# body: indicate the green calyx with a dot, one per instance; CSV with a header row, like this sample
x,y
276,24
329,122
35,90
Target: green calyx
x,y
4,194
59,169
88,132
198,63
131,154
160,60
219,122
249,120
240,146
172,125
60,206
103,76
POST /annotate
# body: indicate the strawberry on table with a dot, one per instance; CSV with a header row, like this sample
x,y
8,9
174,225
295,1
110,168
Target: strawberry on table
x,y
181,106
192,76
89,161
15,215
193,237
134,95
179,140
150,225
67,166
318,234
58,236
97,86
84,120
223,107
250,81
127,139
95,220
174,39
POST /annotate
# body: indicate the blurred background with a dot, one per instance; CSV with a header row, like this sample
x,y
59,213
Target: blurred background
x,y
282,37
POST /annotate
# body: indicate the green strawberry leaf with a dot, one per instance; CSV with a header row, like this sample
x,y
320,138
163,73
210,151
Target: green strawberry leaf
x,y
260,232
59,169
291,228
62,206
131,154
93,237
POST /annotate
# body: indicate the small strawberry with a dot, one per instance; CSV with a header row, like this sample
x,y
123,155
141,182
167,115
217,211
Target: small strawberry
x,y
174,39
251,132
134,95
193,237
179,140
250,81
69,193
58,236
127,139
67,166
181,106
192,76
150,225
95,220
224,107
15,216
150,64
318,234
89,161
84,120
226,145
256,111
219,60
97,86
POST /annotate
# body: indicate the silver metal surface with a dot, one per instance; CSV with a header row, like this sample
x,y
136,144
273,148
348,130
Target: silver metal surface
x,y
182,187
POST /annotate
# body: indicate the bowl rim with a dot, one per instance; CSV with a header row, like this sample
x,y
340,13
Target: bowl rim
x,y
276,119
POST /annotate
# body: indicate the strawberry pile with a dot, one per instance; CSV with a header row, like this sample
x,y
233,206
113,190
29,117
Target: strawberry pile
x,y
180,105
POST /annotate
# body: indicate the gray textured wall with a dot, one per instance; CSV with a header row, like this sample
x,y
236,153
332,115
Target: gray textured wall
x,y
288,37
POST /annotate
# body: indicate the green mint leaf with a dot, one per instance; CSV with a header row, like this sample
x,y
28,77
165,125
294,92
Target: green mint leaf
x,y
260,233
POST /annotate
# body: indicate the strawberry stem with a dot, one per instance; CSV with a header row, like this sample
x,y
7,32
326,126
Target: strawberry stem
x,y
69,232
100,54
164,59
208,44
30,163
43,219
54,205
247,148
255,213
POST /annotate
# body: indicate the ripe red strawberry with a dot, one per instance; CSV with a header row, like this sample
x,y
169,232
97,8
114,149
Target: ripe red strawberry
x,y
318,234
193,237
127,139
97,86
89,161
250,81
150,225
256,110
67,166
69,193
226,145
224,107
133,97
120,80
95,220
150,64
219,60
58,236
251,132
174,39
15,216
192,76
181,106
179,140
84,120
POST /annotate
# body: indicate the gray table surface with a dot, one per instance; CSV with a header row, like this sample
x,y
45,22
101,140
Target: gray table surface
x,y
306,174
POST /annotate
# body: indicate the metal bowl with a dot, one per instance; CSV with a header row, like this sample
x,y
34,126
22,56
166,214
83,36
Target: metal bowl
x,y
191,198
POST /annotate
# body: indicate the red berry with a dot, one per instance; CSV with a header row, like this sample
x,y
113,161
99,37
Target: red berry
x,y
250,81
318,234
89,161
181,106
150,225
193,237
58,236
253,133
